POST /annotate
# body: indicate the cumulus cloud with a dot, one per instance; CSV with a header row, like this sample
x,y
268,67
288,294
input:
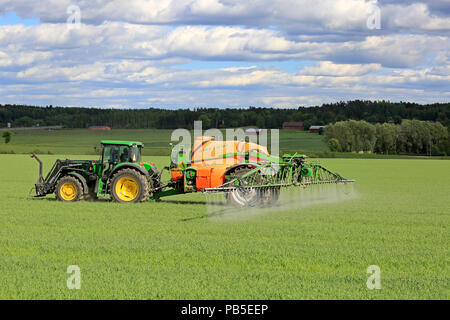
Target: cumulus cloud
x,y
131,53
295,16
167,86
116,40
415,16
327,68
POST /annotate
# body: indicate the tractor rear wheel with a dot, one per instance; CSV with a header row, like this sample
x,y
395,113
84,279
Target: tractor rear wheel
x,y
129,185
69,189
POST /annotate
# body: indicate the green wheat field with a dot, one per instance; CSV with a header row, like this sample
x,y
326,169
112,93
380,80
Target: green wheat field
x,y
83,141
317,247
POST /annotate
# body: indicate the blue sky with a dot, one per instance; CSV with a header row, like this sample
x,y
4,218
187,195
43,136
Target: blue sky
x,y
11,18
222,53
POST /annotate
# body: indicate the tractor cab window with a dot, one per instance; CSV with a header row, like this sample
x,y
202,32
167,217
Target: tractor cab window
x,y
118,154
135,155
111,154
124,154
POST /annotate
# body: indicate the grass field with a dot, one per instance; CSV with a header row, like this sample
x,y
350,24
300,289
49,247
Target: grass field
x,y
82,141
178,248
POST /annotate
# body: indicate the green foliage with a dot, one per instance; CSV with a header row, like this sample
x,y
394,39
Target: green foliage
x,y
341,132
260,122
446,144
352,135
7,135
308,123
371,111
363,136
387,136
181,249
333,145
206,122
411,137
422,137
24,121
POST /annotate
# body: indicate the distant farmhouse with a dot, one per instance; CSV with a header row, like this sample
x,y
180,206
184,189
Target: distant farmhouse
x,y
100,128
293,125
315,129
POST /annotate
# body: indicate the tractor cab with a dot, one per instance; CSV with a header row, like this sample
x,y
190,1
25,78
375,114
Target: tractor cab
x,y
115,152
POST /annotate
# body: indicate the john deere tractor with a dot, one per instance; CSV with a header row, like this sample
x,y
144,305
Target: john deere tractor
x,y
119,173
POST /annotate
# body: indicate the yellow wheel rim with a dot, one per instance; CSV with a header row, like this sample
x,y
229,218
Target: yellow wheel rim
x,y
68,191
127,189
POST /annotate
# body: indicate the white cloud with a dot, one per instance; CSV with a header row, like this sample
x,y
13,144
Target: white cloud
x,y
128,53
129,41
297,16
255,85
327,68
415,16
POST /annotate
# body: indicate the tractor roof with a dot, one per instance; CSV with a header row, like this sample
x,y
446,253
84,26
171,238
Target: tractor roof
x,y
127,143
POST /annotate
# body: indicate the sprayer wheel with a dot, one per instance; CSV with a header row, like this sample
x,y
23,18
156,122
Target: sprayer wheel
x,y
270,196
243,197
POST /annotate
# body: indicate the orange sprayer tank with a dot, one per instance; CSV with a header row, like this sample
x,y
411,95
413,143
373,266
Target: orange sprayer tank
x,y
207,151
210,176
213,158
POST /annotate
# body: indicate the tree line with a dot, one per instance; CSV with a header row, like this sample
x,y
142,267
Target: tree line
x,y
408,137
370,111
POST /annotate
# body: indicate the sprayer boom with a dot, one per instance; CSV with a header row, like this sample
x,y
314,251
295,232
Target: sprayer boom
x,y
277,175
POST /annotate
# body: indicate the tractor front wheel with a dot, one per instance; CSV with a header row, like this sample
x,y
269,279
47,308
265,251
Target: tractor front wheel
x,y
129,185
69,189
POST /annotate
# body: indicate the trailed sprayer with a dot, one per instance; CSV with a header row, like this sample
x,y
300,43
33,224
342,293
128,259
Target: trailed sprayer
x,y
244,172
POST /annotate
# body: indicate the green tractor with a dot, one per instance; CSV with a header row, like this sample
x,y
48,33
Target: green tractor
x,y
252,178
120,173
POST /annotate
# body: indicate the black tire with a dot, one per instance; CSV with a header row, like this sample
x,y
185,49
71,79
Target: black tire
x,y
270,196
69,189
243,197
118,192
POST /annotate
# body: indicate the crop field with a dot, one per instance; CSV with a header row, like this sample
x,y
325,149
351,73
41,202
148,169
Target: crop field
x,y
319,246
82,141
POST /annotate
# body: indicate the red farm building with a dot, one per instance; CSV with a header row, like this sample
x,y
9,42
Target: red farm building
x,y
293,125
100,128
315,129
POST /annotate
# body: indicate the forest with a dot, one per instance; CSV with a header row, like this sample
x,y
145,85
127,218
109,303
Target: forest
x,y
409,137
369,111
